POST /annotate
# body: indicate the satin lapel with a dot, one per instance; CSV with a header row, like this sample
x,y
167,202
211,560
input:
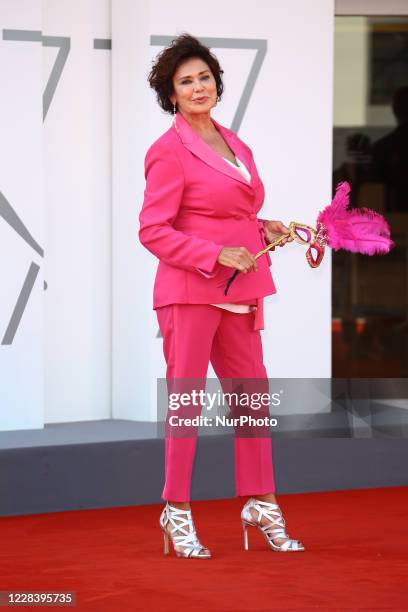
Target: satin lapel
x,y
201,149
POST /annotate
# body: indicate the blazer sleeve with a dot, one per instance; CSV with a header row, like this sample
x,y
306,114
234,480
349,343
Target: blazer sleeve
x,y
264,238
162,198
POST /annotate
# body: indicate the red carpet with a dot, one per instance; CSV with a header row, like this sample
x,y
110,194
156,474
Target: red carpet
x,y
356,557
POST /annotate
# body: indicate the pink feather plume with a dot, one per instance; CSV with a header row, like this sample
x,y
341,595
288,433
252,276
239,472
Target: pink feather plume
x,y
358,230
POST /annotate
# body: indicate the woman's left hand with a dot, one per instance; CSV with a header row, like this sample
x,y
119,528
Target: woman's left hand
x,y
274,229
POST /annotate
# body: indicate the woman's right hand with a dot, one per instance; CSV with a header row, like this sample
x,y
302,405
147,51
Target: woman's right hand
x,y
239,258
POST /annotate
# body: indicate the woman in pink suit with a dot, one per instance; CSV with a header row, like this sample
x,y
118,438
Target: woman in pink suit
x,y
199,217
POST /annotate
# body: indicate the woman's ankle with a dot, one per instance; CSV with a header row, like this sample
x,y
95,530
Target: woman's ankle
x,y
180,505
266,497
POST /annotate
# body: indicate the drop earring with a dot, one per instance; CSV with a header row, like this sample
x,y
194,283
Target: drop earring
x,y
174,116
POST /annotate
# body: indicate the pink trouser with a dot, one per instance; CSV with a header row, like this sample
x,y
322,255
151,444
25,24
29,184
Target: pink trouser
x,y
194,335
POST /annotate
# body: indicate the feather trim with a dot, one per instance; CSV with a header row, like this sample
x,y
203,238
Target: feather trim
x,y
360,230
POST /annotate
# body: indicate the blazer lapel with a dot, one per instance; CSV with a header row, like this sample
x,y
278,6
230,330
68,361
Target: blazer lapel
x,y
201,149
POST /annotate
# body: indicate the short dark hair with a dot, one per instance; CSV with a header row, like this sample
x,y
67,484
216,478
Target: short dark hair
x,y
182,48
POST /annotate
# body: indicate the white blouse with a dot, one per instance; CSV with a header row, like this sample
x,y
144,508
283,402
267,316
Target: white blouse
x,y
241,308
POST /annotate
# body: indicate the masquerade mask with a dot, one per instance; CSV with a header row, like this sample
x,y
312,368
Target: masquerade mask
x,y
359,230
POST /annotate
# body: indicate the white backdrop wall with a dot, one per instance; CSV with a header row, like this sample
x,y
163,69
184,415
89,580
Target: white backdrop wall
x,y
55,361
77,170
87,347
288,125
21,217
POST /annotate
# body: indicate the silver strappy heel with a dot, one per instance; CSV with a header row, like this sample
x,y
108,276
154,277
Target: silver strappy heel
x,y
178,524
273,514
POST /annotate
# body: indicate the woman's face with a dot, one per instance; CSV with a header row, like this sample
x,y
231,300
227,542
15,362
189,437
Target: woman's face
x,y
195,89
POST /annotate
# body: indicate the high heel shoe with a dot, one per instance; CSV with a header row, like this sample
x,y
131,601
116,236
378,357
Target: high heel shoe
x,y
272,513
179,525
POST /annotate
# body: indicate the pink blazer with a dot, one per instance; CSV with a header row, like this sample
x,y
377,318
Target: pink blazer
x,y
194,204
